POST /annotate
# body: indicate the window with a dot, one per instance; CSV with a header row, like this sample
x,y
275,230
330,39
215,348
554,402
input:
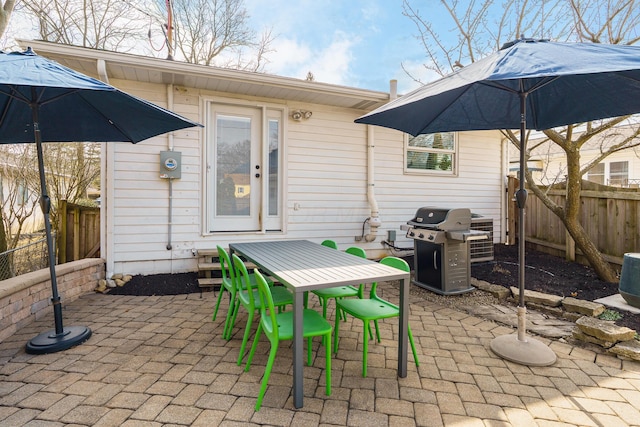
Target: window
x,y
618,173
596,174
433,153
22,194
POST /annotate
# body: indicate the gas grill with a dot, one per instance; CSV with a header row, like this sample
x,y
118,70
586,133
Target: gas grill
x,y
441,239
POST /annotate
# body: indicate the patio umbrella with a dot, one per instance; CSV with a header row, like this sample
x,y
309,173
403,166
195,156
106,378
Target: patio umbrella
x,y
527,84
42,101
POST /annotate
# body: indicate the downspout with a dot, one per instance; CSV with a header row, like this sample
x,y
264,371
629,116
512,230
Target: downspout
x,y
374,218
107,153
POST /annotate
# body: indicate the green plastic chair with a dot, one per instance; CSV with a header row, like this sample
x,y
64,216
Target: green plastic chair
x,y
228,285
330,244
279,326
374,308
339,292
247,295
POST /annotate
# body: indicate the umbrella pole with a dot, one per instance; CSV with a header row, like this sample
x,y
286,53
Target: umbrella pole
x,y
518,347
60,338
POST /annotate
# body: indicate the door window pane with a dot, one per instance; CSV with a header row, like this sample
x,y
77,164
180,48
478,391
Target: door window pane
x,y
233,155
273,166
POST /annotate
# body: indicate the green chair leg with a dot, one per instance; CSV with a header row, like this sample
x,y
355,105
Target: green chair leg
x,y
215,312
232,321
245,339
267,373
365,348
413,346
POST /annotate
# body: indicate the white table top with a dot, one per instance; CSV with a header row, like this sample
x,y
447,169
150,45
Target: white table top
x,y
303,265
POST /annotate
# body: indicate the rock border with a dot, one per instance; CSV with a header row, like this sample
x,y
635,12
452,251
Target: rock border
x,y
618,340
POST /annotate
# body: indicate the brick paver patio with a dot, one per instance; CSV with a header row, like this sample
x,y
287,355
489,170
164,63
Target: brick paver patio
x,y
158,361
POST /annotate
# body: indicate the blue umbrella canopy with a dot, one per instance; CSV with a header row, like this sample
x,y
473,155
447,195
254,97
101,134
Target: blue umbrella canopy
x,y
528,84
42,101
564,83
72,106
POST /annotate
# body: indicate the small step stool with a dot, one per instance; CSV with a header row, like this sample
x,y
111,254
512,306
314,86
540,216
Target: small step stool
x,y
210,269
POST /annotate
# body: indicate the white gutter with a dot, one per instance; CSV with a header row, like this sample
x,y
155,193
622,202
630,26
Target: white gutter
x,y
102,70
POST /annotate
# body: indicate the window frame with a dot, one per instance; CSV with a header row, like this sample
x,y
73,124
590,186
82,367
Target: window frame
x,y
455,154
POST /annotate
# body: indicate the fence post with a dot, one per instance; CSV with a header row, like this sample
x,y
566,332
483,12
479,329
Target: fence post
x,y
76,233
570,247
62,231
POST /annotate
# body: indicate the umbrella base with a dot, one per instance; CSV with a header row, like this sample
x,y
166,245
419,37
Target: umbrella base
x,y
529,352
50,342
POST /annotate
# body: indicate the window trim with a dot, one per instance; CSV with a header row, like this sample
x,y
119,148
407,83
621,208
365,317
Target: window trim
x,y
269,111
455,155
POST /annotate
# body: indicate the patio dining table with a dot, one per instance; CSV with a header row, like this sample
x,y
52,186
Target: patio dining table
x,y
303,266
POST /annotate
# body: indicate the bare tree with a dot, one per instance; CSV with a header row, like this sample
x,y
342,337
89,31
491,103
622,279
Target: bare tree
x,y
217,32
5,14
20,190
71,168
104,24
482,27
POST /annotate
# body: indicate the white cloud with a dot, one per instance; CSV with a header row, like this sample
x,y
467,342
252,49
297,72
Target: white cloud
x,y
329,64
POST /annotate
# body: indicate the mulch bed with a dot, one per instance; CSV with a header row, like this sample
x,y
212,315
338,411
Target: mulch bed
x,y
544,273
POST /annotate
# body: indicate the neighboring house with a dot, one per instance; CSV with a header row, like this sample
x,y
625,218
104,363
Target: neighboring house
x,y
18,201
548,161
278,158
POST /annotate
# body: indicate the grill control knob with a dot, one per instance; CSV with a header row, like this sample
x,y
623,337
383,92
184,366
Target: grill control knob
x,y
431,237
421,236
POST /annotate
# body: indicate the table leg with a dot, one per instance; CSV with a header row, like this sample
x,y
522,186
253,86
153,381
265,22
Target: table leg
x,y
298,350
403,339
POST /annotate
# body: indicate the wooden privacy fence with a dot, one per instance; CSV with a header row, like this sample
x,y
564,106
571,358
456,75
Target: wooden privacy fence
x,y
78,233
609,215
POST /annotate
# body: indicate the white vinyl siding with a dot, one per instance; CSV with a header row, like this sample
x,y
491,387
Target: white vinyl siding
x,y
324,195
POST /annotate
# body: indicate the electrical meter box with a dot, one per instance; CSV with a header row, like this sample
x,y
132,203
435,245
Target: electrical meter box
x,y
170,164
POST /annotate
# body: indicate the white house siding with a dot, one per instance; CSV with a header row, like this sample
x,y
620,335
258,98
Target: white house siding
x,y
325,167
479,184
139,211
326,192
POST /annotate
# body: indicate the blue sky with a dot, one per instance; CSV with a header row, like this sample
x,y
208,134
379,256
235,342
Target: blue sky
x,y
357,43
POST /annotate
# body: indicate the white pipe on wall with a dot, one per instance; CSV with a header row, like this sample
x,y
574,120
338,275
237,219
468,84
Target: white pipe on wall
x,y
374,218
170,146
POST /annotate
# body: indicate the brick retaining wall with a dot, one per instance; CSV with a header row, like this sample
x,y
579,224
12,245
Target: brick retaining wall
x,y
27,297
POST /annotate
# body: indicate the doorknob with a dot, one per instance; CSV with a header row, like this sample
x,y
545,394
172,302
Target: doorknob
x,y
257,168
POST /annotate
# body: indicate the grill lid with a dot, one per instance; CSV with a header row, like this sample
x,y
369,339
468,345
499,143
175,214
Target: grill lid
x,y
442,219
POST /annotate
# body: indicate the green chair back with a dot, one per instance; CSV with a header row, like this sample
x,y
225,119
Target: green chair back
x,y
338,292
247,295
228,285
330,244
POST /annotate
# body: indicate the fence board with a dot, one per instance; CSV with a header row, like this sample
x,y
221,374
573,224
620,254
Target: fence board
x,y
80,233
610,218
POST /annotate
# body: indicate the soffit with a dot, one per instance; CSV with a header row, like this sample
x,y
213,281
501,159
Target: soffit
x,y
154,70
